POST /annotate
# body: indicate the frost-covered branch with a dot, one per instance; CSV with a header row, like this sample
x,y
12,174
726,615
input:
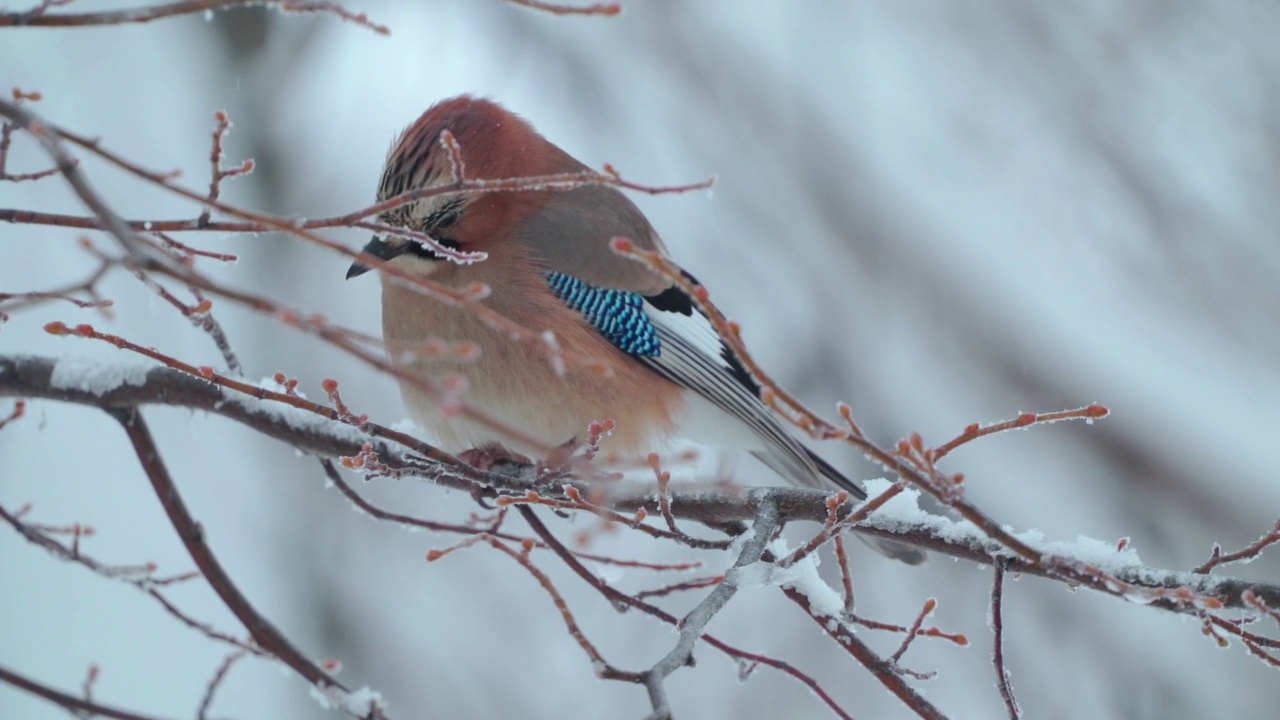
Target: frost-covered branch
x,y
753,543
1093,564
329,432
193,537
40,15
78,707
997,653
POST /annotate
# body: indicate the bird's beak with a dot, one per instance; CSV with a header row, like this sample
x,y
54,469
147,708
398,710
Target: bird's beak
x,y
378,248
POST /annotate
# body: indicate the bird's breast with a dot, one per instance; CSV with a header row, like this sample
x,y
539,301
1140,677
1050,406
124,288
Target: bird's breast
x,y
531,406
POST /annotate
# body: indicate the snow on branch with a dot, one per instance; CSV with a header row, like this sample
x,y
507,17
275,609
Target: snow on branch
x,y
316,429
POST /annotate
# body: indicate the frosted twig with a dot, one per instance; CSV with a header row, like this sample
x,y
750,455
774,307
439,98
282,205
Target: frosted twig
x,y
912,633
680,587
602,9
40,17
1249,552
693,624
997,654
623,602
6,136
211,690
78,707
192,534
880,668
221,125
1087,413
141,577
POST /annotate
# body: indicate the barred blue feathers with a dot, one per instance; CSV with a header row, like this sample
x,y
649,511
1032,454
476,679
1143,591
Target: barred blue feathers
x,y
618,315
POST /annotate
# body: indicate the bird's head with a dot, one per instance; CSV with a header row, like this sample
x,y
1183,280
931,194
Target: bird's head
x,y
491,143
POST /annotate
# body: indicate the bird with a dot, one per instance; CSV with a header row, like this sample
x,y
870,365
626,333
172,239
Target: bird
x,y
549,267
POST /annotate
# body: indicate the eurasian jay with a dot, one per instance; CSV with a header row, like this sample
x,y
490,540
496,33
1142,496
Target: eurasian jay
x,y
549,267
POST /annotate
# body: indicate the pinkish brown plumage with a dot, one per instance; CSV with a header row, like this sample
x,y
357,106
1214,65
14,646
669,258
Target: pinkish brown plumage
x,y
549,268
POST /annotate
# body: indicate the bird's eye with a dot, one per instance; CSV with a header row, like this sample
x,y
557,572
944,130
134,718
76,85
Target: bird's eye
x,y
447,219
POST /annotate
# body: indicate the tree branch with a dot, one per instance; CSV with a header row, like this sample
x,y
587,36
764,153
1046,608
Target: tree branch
x,y
40,17
77,706
192,535
31,377
693,624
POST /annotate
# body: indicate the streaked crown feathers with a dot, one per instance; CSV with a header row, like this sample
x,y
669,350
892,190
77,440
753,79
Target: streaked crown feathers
x,y
494,143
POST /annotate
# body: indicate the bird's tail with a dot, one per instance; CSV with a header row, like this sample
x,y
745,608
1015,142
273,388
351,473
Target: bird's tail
x,y
828,475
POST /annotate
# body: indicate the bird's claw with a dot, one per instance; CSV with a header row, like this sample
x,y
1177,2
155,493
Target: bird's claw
x,y
486,456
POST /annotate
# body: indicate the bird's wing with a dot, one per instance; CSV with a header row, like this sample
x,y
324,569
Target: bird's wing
x,y
692,355
695,357
655,322
571,232
660,326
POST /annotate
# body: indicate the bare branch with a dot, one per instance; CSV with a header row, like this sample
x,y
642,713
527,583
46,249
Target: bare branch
x,y
140,253
883,670
30,377
72,703
997,653
210,691
192,535
624,601
1250,552
141,577
602,9
40,16
692,625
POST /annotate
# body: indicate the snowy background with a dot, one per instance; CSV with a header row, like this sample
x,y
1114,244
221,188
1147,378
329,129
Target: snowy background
x,y
940,212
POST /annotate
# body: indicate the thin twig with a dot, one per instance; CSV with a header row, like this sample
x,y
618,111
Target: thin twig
x,y
6,139
1249,552
140,577
624,601
880,668
693,624
846,578
211,690
601,9
39,17
193,538
30,377
997,653
71,703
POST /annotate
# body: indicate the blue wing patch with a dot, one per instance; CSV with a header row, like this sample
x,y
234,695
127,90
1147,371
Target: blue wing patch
x,y
618,315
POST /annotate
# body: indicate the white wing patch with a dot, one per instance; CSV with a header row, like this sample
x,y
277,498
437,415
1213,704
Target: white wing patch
x,y
693,357
694,329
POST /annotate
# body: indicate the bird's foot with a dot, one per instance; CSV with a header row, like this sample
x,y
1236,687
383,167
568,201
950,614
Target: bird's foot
x,y
557,462
486,456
